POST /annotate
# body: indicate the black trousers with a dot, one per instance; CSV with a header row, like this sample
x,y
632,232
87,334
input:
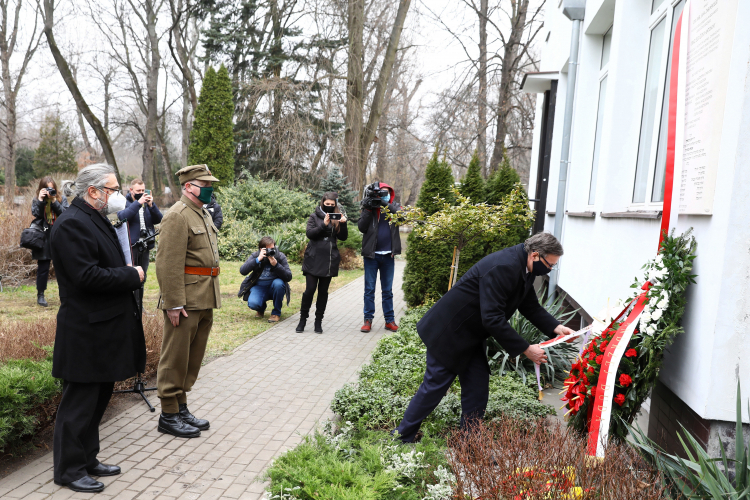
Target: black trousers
x,y
475,391
76,439
42,275
322,284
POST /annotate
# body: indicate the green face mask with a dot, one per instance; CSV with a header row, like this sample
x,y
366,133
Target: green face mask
x,y
206,193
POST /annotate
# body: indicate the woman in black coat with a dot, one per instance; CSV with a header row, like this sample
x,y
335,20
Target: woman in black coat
x,y
321,262
46,208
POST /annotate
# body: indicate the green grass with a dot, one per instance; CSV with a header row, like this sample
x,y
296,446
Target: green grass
x,y
234,323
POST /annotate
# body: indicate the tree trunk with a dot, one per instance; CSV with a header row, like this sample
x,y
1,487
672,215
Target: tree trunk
x,y
187,123
182,56
507,75
389,59
152,84
381,160
81,126
64,69
482,94
354,94
403,126
167,164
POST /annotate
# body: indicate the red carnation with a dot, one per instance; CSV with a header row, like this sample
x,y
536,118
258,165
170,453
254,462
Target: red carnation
x,y
599,359
603,346
592,355
630,353
625,380
620,399
593,391
591,369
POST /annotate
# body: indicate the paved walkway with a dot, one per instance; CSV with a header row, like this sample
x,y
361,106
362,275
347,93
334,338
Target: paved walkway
x,y
260,400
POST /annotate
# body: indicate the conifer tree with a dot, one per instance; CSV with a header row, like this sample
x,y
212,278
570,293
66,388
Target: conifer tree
x,y
336,182
212,137
56,152
473,185
501,182
427,262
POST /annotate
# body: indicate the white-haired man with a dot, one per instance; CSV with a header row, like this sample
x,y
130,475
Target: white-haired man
x,y
99,338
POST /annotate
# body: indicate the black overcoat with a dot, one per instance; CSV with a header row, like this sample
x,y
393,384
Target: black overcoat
x,y
322,256
99,331
479,306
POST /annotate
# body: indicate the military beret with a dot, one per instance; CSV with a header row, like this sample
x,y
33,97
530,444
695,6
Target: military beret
x,y
195,173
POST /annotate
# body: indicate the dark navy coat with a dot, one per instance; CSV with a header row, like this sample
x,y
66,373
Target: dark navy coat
x,y
479,306
151,215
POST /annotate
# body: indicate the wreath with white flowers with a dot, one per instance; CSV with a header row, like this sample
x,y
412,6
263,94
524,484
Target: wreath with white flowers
x,y
669,275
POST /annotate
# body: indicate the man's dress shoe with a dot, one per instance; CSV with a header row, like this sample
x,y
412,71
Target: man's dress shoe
x,y
102,470
172,423
84,485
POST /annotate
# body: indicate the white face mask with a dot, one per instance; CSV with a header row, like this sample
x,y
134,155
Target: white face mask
x,y
115,203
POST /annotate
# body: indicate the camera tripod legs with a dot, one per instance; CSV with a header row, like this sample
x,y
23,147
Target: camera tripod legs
x,y
139,388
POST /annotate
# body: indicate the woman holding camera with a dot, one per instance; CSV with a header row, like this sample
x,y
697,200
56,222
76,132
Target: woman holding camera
x,y
321,263
46,207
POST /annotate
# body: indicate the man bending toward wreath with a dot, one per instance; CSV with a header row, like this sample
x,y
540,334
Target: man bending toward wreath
x,y
456,328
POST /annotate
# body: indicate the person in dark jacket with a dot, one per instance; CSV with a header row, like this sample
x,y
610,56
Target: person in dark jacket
x,y
321,261
456,328
99,337
381,242
141,213
46,208
269,279
214,209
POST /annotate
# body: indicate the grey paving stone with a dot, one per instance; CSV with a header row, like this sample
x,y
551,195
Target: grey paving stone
x,y
261,400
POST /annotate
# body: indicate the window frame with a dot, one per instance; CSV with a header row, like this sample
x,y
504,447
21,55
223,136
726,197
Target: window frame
x,y
665,12
603,75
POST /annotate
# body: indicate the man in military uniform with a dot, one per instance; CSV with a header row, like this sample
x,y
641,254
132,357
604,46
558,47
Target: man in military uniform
x,y
187,268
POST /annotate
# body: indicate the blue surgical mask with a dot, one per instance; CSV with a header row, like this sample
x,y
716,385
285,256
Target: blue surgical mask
x,y
386,198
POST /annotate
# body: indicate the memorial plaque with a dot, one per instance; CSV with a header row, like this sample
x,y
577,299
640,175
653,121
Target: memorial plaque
x,y
709,49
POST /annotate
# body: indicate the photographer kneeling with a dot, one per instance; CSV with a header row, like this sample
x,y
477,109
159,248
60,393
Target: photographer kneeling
x,y
269,279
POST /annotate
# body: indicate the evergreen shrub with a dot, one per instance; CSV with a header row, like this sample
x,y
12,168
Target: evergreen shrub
x,y
336,182
212,137
24,385
473,185
428,262
385,386
254,208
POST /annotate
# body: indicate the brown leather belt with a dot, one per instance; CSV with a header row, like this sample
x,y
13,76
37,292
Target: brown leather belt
x,y
203,271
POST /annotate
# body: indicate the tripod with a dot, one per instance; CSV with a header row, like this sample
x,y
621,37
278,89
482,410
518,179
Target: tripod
x,y
140,255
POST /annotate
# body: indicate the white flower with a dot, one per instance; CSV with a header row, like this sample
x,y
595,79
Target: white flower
x,y
663,303
651,331
653,277
657,314
646,317
665,295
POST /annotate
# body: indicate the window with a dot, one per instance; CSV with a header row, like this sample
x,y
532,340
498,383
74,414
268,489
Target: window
x,y
603,73
651,160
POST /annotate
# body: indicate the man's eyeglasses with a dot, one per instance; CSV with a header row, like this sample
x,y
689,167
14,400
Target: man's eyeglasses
x,y
109,189
547,263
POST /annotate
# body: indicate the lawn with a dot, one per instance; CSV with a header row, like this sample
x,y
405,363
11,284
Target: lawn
x,y
234,323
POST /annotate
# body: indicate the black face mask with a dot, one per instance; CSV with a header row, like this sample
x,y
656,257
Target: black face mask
x,y
539,269
327,209
137,196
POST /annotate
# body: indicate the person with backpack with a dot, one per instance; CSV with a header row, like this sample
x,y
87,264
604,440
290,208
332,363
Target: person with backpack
x,y
325,226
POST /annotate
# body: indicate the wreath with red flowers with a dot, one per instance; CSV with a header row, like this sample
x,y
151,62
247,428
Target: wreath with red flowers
x,y
670,275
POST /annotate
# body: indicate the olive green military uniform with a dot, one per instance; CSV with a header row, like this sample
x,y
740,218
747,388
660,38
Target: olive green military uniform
x,y
187,267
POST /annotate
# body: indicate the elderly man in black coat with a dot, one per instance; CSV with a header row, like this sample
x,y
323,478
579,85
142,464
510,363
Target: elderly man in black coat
x,y
456,328
99,337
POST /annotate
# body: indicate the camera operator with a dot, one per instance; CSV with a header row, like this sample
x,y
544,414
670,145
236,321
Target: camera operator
x,y
269,279
381,242
99,337
321,263
141,213
46,208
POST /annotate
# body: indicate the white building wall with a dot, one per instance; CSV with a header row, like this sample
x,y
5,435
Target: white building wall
x,y
603,256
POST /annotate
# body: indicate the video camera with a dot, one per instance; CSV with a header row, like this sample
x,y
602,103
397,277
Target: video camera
x,y
372,196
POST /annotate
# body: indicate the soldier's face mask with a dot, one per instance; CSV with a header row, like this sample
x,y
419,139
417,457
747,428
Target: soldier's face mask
x,y
205,193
